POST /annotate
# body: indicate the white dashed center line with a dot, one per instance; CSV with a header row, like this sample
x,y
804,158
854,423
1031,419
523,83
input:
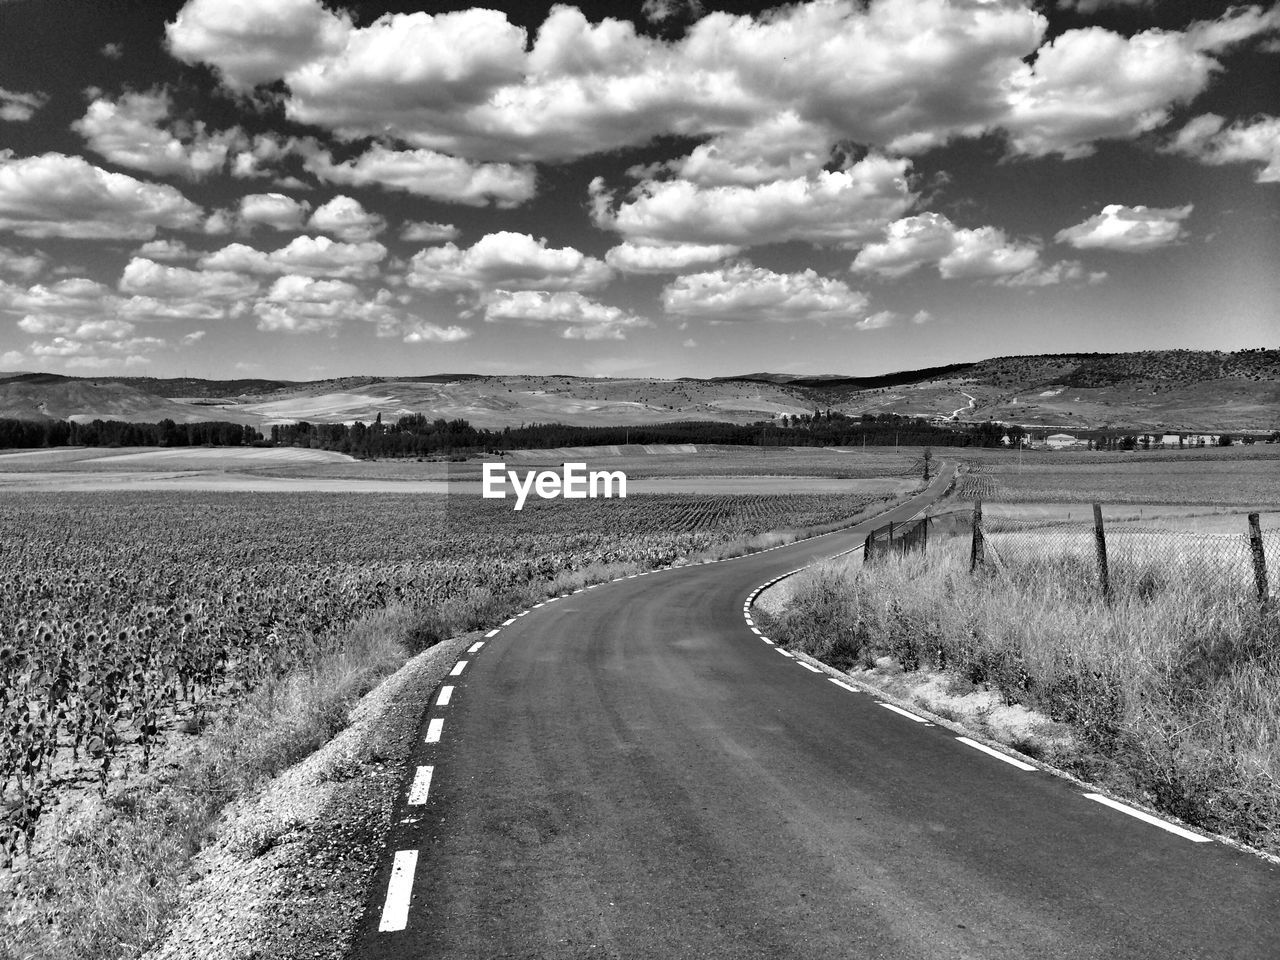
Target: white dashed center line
x,y
458,668
434,729
995,753
395,911
1147,818
421,786
446,694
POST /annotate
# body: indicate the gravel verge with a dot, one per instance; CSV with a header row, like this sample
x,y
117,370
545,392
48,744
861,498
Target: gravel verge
x,y
289,871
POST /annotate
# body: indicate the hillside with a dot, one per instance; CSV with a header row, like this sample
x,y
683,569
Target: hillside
x,y
1153,390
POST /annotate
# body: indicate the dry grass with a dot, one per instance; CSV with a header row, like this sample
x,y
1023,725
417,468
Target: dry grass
x,y
1174,691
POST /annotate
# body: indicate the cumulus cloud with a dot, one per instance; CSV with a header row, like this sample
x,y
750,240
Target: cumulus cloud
x,y
842,207
54,195
1087,7
742,292
166,250
659,11
19,107
424,331
112,51
668,258
346,218
273,210
306,256
901,75
584,318
1209,140
136,131
298,304
73,296
427,173
422,231
878,320
24,265
250,42
958,252
1133,229
150,279
1064,271
506,261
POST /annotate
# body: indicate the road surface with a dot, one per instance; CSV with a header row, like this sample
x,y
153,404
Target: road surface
x,y
632,772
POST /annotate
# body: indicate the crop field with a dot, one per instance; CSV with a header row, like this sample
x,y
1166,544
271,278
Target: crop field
x,y
126,618
1252,482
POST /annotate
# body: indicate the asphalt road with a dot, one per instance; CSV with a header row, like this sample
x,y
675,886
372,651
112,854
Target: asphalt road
x,y
631,772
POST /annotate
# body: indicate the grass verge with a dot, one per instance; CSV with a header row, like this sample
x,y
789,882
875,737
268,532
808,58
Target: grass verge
x,y
1173,694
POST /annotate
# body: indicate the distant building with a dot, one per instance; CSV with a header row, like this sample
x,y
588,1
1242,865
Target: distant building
x,y
1060,441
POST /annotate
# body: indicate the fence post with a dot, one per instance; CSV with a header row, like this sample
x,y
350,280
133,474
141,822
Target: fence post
x,y
1100,539
977,556
867,546
1259,558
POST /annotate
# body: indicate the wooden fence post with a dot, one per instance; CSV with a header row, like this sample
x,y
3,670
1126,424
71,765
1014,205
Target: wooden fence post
x,y
867,547
1100,540
977,556
1259,558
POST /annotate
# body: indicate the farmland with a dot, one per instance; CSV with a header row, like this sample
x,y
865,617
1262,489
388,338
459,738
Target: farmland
x,y
127,619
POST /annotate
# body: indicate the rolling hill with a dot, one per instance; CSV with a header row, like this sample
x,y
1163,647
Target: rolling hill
x,y
1153,390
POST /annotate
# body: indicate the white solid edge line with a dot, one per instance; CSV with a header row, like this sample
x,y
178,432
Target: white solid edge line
x,y
446,694
395,910
507,623
458,668
421,786
995,753
842,685
475,646
1148,818
808,666
491,633
434,730
908,715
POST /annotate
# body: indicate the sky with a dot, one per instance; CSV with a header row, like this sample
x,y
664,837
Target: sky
x,y
304,190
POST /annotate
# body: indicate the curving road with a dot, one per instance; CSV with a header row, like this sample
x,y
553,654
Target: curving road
x,y
630,772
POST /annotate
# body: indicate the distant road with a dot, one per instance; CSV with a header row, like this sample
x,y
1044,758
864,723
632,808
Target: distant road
x,y
631,772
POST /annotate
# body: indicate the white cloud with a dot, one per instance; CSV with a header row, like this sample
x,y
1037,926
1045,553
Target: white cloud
x,y
54,195
1093,6
922,316
345,218
506,261
162,309
1210,141
112,51
424,331
308,256
659,11
252,42
25,265
134,132
18,107
742,292
584,318
298,304
75,295
958,252
76,329
1134,229
166,250
669,258
147,278
12,358
878,321
421,231
274,210
844,207
1064,271
427,173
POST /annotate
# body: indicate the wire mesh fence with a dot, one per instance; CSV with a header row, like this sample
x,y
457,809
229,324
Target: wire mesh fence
x,y
896,538
1126,559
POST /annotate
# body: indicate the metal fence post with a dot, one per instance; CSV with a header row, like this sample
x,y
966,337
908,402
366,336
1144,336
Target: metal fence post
x,y
1100,539
1259,558
977,554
